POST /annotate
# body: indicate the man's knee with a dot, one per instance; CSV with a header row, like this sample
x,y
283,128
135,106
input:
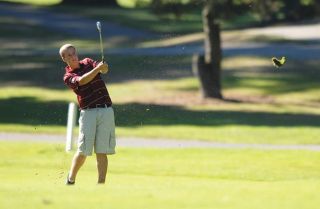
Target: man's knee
x,y
80,156
101,156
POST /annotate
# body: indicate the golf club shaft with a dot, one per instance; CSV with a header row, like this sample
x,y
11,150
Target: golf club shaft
x,y
101,47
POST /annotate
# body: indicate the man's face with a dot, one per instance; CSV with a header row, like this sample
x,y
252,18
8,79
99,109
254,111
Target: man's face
x,y
70,56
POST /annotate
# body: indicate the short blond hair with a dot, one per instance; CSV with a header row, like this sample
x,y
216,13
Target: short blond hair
x,y
64,48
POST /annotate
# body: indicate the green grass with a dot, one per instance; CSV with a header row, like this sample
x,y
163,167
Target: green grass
x,y
179,178
36,2
133,3
159,97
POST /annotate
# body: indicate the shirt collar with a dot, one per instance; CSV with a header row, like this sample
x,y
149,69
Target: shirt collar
x,y
69,70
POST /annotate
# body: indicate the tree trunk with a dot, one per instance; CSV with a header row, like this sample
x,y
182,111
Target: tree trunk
x,y
208,78
317,7
208,67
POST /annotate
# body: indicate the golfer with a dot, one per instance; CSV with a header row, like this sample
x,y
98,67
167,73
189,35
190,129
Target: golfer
x,y
96,122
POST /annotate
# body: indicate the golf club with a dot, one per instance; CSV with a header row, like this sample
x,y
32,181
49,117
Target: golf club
x,y
101,45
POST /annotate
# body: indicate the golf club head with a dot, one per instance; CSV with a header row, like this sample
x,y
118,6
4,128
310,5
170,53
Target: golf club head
x,y
99,26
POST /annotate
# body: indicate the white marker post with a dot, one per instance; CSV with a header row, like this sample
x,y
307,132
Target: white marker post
x,y
72,115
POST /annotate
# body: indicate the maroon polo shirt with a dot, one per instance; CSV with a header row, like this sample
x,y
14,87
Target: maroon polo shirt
x,y
92,93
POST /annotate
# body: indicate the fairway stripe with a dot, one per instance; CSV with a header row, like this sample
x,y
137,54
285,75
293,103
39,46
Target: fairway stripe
x,y
160,143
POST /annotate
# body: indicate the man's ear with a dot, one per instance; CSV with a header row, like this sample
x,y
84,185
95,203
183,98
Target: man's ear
x,y
63,59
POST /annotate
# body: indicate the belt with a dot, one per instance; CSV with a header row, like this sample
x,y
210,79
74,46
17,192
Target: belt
x,y
98,106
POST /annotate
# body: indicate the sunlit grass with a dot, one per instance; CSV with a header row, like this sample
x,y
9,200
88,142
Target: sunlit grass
x,y
39,128
36,2
132,3
138,178
39,93
227,133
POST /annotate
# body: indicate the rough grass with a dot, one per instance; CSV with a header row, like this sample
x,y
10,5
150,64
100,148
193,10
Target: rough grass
x,y
180,178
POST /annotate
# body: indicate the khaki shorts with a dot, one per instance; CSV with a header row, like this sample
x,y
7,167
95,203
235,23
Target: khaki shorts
x,y
97,130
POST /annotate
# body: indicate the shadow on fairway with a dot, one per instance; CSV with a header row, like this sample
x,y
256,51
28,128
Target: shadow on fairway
x,y
134,114
30,111
48,71
39,71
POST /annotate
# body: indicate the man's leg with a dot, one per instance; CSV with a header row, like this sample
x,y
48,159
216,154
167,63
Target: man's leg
x,y
102,165
77,162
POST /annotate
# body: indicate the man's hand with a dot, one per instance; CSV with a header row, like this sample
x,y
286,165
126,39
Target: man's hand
x,y
100,68
103,67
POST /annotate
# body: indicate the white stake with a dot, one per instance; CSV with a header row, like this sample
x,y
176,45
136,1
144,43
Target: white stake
x,y
72,115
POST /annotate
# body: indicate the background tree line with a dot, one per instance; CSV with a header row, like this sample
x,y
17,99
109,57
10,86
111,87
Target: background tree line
x,y
268,11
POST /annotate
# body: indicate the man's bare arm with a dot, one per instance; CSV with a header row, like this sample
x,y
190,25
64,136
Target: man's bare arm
x,y
89,76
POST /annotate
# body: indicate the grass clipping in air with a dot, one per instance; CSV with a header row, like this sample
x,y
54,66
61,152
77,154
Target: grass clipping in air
x,y
278,63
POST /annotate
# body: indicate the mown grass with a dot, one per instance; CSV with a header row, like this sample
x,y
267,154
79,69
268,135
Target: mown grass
x,y
35,2
179,178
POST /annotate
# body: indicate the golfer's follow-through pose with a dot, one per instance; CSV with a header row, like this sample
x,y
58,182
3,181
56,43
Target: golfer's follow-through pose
x,y
96,122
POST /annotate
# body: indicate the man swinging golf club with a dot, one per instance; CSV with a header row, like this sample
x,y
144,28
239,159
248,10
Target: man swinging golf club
x,y
96,122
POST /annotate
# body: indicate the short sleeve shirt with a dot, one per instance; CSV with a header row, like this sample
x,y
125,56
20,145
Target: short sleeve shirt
x,y
88,95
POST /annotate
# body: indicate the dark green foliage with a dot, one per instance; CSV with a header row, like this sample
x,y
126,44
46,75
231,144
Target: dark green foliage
x,y
175,7
268,11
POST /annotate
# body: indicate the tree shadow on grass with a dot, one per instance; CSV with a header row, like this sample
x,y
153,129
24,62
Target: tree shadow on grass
x,y
30,111
48,71
135,114
40,71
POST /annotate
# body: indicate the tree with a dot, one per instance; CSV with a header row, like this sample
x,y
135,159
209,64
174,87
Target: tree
x,y
208,66
264,8
91,2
